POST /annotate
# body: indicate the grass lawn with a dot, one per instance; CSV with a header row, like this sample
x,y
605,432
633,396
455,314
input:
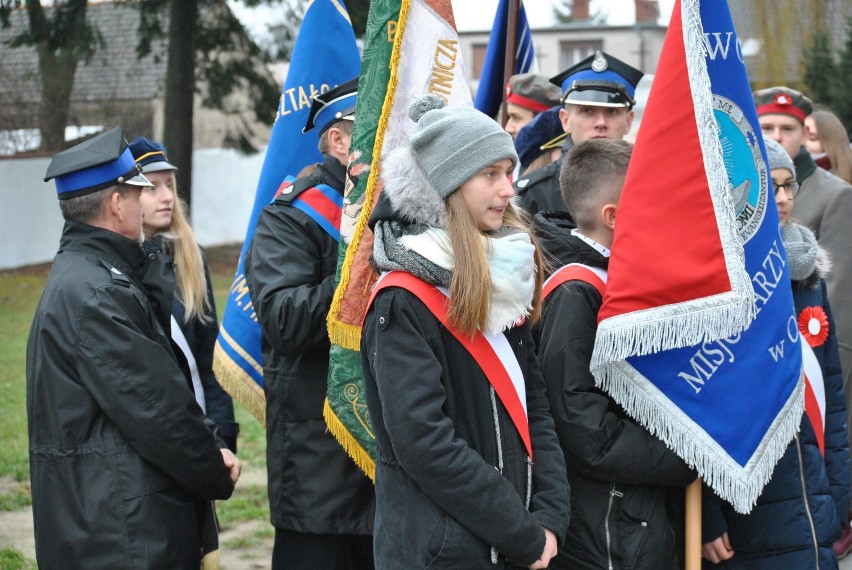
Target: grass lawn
x,y
19,294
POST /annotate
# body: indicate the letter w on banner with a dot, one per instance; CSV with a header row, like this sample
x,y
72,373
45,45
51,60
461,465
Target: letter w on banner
x,y
411,48
324,56
697,254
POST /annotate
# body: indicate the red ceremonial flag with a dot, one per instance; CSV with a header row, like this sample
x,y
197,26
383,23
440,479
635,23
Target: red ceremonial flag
x,y
690,265
697,338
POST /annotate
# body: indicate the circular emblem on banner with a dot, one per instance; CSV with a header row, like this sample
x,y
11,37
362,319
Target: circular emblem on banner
x,y
747,173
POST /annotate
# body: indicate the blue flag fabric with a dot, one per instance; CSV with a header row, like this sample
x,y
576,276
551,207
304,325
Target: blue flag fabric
x,y
727,401
492,84
325,55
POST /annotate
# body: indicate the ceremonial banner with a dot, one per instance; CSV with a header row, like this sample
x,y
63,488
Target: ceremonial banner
x,y
325,55
698,254
411,48
492,84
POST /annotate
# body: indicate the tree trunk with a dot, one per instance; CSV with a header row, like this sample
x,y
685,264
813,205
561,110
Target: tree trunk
x,y
180,92
58,52
57,80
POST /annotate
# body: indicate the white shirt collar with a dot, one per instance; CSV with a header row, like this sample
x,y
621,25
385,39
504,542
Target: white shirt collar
x,y
603,250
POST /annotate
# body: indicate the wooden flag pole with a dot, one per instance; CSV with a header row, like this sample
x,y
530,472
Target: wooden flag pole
x,y
511,49
693,525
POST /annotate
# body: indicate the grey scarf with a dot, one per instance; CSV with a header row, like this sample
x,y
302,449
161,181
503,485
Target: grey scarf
x,y
390,255
801,246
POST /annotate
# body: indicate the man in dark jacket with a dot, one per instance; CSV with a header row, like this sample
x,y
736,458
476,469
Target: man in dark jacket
x,y
625,483
121,456
321,504
597,103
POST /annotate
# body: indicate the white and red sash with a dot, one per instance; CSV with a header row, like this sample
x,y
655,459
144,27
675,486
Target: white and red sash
x,y
491,352
814,382
814,393
594,276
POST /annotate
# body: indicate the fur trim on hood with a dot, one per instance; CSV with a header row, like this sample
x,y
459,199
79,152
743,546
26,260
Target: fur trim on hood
x,y
409,191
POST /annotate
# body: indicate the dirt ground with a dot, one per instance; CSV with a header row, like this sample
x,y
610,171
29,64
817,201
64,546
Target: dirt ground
x,y
16,531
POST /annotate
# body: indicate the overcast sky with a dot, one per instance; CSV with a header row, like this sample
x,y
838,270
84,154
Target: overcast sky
x,y
477,14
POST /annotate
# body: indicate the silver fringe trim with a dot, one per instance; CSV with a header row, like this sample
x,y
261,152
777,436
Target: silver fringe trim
x,y
709,318
739,485
694,322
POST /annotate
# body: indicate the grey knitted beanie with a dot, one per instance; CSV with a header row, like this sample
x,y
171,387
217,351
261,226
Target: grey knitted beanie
x,y
452,144
777,156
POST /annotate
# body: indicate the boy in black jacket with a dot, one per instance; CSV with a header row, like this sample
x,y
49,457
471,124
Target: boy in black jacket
x,y
625,483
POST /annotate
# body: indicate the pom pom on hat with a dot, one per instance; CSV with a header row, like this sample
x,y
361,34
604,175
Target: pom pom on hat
x,y
423,104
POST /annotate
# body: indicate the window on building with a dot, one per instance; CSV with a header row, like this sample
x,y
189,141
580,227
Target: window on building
x,y
575,51
478,59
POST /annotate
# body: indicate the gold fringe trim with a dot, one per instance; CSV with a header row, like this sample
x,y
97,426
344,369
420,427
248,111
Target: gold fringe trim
x,y
351,445
345,334
238,384
211,561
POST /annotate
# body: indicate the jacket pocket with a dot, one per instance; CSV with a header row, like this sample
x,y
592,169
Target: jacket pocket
x,y
456,547
643,537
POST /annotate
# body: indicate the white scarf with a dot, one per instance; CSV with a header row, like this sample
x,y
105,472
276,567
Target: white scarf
x,y
511,263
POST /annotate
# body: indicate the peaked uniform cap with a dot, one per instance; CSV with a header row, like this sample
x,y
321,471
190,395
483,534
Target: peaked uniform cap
x,y
783,101
531,139
532,91
95,164
150,155
333,105
600,80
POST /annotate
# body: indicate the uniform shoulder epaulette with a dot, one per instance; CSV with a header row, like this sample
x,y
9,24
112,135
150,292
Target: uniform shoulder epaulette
x,y
292,191
118,276
524,182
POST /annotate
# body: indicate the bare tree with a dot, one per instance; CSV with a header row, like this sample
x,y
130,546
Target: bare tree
x,y
62,38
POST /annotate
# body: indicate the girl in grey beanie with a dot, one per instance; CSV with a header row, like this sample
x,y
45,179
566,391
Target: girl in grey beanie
x,y
455,486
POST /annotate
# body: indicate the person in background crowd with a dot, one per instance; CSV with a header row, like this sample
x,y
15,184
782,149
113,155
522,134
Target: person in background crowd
x,y
122,461
798,515
597,103
828,143
469,474
540,141
627,487
527,95
321,504
194,322
824,206
194,326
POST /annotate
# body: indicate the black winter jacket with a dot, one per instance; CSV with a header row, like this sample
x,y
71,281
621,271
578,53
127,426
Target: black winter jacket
x,y
442,434
314,487
539,190
798,515
121,456
626,485
201,339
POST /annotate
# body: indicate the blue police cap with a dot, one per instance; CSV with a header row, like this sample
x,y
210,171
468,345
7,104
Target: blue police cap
x,y
93,165
600,80
150,155
532,138
333,105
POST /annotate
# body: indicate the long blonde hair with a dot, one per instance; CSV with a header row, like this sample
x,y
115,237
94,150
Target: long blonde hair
x,y
470,287
834,139
181,244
